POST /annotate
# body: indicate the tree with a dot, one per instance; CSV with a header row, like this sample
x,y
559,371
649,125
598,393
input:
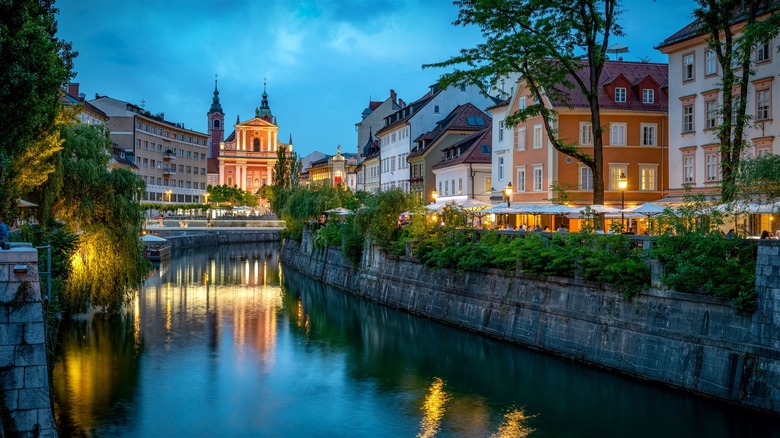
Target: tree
x,y
759,179
226,194
100,206
287,168
716,18
556,46
34,65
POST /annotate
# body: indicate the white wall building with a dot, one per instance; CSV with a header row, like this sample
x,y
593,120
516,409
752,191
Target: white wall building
x,y
464,171
694,102
412,120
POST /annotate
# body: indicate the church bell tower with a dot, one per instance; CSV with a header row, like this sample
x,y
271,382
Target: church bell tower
x,y
216,119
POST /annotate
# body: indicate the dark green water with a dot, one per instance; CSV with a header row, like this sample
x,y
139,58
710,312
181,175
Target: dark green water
x,y
214,346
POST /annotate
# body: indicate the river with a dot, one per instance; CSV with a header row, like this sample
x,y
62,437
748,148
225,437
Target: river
x,y
221,342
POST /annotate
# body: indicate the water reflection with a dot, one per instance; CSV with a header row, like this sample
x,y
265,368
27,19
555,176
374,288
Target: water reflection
x,y
214,346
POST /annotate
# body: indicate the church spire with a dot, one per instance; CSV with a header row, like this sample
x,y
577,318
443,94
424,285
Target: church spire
x,y
264,111
215,105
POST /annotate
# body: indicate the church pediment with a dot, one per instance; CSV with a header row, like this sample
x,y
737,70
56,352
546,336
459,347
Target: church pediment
x,y
257,122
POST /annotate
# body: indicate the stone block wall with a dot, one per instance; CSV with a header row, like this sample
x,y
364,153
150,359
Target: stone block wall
x,y
25,403
694,342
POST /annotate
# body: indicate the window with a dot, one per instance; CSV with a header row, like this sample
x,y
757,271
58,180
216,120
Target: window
x,y
648,95
763,54
446,187
615,171
501,130
762,104
500,168
520,183
687,170
734,109
647,178
216,123
687,122
649,134
586,178
762,152
537,136
712,113
688,67
620,94
436,109
521,134
712,167
521,104
460,186
586,133
537,178
618,134
710,63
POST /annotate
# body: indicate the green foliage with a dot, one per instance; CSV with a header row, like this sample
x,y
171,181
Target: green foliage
x,y
107,263
555,47
224,194
34,64
760,178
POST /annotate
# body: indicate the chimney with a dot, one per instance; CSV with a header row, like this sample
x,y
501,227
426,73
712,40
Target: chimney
x,y
73,90
393,96
401,103
82,96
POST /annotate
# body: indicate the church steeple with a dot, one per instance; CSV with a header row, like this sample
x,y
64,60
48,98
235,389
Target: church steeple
x,y
215,105
215,118
264,112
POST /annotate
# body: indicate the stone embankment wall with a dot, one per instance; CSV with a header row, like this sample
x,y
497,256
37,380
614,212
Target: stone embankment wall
x,y
195,239
697,343
25,404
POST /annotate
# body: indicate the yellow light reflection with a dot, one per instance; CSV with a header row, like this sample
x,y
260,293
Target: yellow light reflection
x,y
433,409
513,425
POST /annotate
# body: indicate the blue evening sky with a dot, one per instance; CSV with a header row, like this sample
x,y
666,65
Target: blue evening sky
x,y
323,59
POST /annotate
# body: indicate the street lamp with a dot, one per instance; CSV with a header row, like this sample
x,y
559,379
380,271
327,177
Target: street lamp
x,y
434,195
508,193
622,184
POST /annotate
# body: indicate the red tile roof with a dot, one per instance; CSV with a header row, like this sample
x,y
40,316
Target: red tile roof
x,y
624,73
470,149
459,119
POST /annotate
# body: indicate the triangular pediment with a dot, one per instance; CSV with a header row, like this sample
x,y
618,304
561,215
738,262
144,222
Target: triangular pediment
x,y
257,121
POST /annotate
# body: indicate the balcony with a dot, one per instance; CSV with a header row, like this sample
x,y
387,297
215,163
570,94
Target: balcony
x,y
169,155
169,171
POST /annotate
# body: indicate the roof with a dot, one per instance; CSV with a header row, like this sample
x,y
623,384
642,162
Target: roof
x,y
375,104
475,149
498,105
694,29
401,116
620,71
465,117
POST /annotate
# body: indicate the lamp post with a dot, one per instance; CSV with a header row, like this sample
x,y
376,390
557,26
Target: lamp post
x,y
508,193
434,195
622,184
168,192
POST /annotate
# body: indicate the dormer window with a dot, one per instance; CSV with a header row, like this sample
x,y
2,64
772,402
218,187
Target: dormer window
x,y
620,95
648,95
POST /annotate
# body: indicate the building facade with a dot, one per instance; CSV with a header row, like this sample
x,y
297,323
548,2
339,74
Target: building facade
x,y
170,158
248,156
695,99
429,150
411,121
335,170
634,120
372,120
463,171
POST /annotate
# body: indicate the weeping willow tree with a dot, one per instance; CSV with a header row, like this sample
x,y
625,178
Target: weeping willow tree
x,y
99,205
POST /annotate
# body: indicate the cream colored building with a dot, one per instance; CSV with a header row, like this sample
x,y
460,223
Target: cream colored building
x,y
171,159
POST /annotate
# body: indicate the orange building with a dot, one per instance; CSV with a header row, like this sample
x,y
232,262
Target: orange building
x,y
248,156
634,121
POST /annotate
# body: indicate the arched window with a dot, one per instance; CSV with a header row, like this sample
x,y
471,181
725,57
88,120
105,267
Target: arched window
x,y
216,123
256,145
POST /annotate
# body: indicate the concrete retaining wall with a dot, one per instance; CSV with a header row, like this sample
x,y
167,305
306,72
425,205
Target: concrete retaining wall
x,y
25,405
697,343
192,239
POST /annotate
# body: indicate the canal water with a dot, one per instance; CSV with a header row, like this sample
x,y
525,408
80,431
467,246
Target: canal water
x,y
220,342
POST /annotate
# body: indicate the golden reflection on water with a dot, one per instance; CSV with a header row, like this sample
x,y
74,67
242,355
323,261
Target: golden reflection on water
x,y
514,425
433,409
186,305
